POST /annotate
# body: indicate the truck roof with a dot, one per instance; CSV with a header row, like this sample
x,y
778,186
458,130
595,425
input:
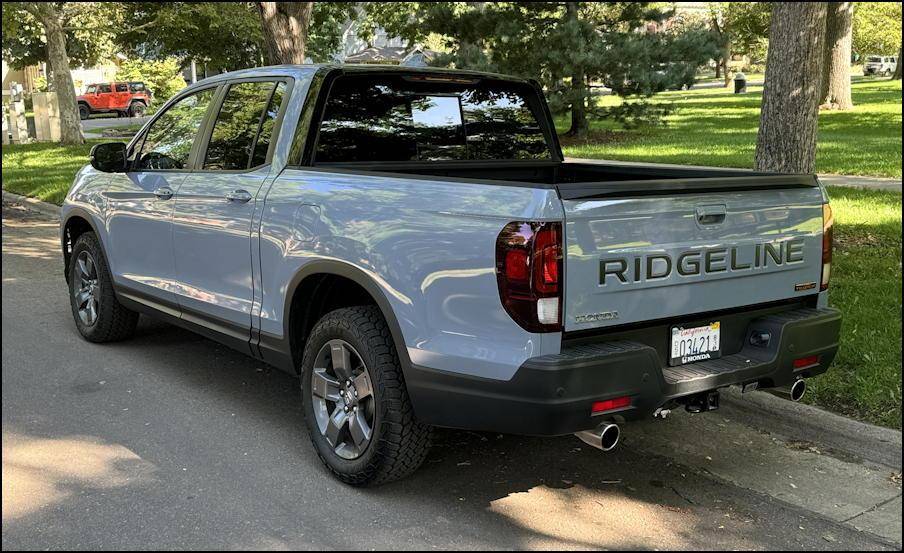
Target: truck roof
x,y
308,69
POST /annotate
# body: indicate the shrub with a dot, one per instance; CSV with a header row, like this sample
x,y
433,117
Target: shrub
x,y
162,77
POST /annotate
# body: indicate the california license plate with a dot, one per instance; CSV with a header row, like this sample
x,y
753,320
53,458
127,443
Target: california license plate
x,y
698,343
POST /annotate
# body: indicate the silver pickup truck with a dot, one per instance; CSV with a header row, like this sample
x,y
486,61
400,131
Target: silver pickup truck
x,y
414,246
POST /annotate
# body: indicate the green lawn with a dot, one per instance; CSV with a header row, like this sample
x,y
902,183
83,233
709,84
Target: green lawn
x,y
716,127
865,381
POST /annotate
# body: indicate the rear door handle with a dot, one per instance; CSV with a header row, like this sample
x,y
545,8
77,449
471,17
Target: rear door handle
x,y
239,196
163,193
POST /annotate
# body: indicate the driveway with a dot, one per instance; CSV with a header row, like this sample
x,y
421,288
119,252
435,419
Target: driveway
x,y
171,441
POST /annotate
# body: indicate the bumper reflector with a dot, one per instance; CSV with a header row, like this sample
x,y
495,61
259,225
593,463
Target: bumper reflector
x,y
610,404
806,361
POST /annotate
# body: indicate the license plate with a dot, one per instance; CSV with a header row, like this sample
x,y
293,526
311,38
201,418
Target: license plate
x,y
698,343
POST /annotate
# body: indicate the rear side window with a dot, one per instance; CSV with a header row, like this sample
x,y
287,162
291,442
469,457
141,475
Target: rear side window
x,y
169,140
232,142
267,125
393,118
122,87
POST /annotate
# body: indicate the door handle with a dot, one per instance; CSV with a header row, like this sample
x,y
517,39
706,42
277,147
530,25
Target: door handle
x,y
164,193
711,215
239,196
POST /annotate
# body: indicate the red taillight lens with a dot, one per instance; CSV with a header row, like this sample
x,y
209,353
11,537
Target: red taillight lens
x,y
528,271
610,405
828,224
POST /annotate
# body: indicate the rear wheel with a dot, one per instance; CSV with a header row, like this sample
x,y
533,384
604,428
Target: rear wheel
x,y
83,112
137,109
355,402
98,315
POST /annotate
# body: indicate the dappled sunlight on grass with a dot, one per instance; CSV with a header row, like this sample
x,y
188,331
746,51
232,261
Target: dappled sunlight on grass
x,y
40,473
717,127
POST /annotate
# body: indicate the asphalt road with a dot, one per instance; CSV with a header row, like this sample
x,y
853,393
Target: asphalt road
x,y
172,441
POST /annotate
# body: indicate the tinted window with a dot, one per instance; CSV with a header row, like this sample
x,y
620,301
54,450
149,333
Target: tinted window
x,y
91,89
168,141
390,118
122,87
103,88
232,141
136,87
267,125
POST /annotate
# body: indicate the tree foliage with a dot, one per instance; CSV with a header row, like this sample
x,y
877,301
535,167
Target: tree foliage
x,y
877,28
89,39
162,77
564,45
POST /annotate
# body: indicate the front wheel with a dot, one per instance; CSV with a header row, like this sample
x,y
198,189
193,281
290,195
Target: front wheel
x,y
355,403
84,112
98,315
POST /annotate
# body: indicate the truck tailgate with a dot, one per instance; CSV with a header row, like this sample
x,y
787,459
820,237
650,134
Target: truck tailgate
x,y
637,254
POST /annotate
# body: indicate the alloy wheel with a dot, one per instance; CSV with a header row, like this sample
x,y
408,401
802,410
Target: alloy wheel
x,y
343,399
86,289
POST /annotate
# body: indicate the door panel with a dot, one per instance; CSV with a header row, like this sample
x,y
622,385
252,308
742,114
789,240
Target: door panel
x,y
140,203
215,208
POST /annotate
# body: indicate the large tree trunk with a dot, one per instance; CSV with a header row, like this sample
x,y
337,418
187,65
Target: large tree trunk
x,y
579,123
58,59
786,141
836,74
285,26
897,75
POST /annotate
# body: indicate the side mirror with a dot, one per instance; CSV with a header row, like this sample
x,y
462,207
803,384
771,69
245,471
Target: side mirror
x,y
109,157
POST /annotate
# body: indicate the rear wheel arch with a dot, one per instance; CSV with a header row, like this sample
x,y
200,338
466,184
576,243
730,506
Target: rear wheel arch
x,y
324,286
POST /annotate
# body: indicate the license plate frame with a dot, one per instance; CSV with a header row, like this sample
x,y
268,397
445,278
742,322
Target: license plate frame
x,y
695,343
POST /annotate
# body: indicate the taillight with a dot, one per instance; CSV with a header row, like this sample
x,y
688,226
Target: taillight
x,y
529,274
828,222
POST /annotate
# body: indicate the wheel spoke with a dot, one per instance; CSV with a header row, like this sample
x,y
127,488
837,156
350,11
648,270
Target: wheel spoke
x,y
362,386
338,420
89,264
359,429
323,386
92,309
341,360
82,267
82,297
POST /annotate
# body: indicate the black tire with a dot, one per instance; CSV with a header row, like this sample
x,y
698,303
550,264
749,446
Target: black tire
x,y
399,444
113,321
84,112
137,109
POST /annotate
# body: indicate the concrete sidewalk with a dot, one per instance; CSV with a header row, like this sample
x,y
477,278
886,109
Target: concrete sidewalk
x,y
851,181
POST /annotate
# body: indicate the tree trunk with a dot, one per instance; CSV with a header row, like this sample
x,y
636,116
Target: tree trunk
x,y
58,59
897,75
285,26
786,141
836,74
579,123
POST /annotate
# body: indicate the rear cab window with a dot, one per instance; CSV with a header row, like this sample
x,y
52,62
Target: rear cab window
x,y
398,118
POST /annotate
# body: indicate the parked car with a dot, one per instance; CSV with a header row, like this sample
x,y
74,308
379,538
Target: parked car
x,y
123,98
412,244
880,65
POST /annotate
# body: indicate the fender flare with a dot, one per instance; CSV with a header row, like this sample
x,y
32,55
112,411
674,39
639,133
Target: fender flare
x,y
81,213
359,277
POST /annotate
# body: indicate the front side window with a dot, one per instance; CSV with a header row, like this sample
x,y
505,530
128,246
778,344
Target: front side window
x,y
91,89
391,118
232,141
104,88
168,141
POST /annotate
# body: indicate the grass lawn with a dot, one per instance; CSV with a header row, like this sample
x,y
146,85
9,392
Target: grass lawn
x,y
865,381
716,127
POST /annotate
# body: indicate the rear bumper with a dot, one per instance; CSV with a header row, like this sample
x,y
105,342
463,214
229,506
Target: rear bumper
x,y
553,394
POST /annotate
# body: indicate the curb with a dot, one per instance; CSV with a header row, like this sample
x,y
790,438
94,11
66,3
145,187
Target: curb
x,y
44,208
806,423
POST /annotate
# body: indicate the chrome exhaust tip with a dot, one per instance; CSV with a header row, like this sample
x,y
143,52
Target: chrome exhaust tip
x,y
604,437
794,392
